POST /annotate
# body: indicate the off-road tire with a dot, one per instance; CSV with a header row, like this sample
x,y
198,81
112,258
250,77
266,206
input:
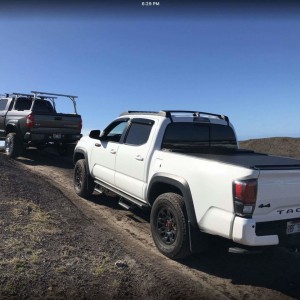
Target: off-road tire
x,y
83,182
13,145
169,226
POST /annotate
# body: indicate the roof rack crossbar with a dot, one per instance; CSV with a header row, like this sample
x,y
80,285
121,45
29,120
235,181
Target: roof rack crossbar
x,y
21,94
47,97
53,94
142,112
195,114
41,94
168,113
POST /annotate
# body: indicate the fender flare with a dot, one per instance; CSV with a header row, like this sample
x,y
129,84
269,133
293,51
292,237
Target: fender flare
x,y
16,127
84,153
179,183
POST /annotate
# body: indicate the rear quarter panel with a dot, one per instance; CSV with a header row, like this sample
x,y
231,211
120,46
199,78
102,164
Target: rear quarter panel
x,y
210,184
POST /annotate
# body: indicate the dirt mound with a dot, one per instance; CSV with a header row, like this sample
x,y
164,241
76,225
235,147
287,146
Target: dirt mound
x,y
282,146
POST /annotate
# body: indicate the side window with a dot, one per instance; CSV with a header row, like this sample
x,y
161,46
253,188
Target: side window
x,y
139,132
114,131
23,104
3,103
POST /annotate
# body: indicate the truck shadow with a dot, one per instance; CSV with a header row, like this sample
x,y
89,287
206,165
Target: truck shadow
x,y
110,200
277,268
47,157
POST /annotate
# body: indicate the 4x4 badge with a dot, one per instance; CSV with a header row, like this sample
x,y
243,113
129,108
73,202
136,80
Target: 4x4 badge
x,y
267,205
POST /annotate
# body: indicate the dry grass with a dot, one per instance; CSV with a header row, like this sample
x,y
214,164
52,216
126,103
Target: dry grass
x,y
29,224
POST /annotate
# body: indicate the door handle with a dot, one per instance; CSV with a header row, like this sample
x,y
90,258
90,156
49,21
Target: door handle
x,y
138,157
113,151
98,145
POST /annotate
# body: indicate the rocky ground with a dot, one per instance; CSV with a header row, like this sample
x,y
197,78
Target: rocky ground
x,y
56,245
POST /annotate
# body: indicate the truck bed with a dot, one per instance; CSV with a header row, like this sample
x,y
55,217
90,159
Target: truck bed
x,y
250,159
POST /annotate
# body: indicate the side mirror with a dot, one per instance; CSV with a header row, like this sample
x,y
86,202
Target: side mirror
x,y
95,134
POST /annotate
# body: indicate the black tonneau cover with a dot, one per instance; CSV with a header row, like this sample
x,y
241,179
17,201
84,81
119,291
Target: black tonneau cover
x,y
250,159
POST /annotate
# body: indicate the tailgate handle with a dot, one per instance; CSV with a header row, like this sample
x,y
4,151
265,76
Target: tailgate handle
x,y
58,118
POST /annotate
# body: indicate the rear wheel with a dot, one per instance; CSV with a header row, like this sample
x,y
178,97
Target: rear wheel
x,y
13,145
169,226
83,182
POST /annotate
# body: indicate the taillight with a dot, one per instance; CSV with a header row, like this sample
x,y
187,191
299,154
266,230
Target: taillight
x,y
30,121
80,124
244,197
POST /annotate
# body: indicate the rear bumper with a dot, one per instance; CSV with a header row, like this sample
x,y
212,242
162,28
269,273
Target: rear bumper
x,y
47,138
249,232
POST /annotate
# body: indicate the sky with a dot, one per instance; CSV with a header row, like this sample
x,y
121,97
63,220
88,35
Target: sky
x,y
242,61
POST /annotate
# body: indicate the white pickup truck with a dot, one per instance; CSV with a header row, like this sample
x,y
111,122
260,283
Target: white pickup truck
x,y
186,167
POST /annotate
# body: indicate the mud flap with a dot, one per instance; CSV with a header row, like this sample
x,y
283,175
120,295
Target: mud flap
x,y
198,240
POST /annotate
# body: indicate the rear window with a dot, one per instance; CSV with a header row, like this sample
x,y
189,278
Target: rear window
x,y
198,135
138,133
43,106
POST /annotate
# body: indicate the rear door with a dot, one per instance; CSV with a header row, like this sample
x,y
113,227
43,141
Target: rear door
x,y
133,157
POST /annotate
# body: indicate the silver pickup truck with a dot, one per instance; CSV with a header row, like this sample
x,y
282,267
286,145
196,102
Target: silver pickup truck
x,y
32,120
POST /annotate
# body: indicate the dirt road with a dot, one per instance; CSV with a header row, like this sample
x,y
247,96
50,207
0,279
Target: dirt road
x,y
125,236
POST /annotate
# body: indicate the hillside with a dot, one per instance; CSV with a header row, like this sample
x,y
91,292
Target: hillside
x,y
282,146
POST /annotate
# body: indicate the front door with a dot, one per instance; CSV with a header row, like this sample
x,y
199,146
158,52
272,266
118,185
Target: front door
x,y
103,156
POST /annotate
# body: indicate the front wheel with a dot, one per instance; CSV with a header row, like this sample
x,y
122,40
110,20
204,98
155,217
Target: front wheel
x,y
83,182
13,145
169,226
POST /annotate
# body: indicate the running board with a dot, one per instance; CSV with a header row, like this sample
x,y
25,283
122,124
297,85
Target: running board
x,y
133,201
98,190
127,206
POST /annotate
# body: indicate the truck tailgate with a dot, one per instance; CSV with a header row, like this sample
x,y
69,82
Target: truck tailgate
x,y
278,194
61,123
